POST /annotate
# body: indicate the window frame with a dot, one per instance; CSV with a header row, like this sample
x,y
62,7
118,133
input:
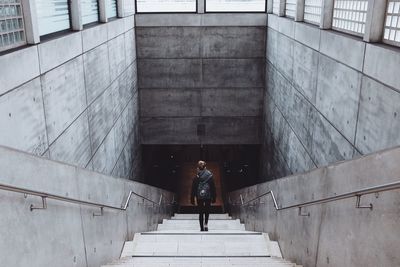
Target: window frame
x,y
167,12
235,12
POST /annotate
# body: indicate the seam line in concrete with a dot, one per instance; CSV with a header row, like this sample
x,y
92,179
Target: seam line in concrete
x,y
311,104
86,100
291,128
109,131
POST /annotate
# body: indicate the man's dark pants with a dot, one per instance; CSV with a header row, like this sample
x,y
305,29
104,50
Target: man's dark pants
x,y
204,212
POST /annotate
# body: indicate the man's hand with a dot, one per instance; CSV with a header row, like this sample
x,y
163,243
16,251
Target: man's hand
x,y
192,202
213,201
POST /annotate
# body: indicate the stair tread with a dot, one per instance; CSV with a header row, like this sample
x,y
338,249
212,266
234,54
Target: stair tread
x,y
178,242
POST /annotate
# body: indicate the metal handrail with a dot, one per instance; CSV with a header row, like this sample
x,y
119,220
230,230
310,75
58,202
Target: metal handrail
x,y
46,196
357,193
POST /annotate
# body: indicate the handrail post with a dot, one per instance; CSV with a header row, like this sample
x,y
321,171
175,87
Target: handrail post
x,y
274,200
161,198
241,199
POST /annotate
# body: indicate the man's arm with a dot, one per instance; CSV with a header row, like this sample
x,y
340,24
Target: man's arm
x,y
193,194
213,191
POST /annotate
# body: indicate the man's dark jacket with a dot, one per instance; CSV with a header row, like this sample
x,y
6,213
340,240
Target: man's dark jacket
x,y
202,176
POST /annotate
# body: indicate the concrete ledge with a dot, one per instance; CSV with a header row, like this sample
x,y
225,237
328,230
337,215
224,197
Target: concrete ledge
x,y
93,37
168,20
383,63
346,49
55,52
15,71
115,27
307,34
283,25
64,225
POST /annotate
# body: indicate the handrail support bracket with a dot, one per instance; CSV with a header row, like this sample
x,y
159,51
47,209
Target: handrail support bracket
x,y
303,214
99,214
359,206
43,207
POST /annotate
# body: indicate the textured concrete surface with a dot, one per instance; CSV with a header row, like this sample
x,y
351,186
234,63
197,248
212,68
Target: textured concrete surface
x,y
335,234
69,231
22,119
191,76
73,105
334,95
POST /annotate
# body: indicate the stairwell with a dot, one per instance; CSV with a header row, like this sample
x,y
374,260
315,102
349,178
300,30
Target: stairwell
x,y
178,242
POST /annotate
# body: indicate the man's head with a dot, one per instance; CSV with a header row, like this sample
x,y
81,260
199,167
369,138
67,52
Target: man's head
x,y
201,165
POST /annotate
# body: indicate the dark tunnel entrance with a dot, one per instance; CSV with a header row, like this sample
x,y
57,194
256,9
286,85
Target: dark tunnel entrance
x,y
172,167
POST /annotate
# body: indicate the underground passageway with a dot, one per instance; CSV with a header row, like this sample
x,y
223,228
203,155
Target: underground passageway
x,y
173,167
107,106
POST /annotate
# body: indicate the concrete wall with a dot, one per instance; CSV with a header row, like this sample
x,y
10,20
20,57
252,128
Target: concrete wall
x,y
336,233
73,98
68,234
201,70
329,97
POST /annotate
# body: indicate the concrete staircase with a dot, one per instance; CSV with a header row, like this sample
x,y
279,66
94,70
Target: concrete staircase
x,y
178,242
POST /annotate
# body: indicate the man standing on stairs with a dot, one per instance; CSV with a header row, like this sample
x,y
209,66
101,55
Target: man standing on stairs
x,y
203,189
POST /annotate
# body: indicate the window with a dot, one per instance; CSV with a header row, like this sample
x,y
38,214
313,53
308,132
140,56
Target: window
x,y
166,6
90,11
111,8
276,6
392,24
350,16
235,5
12,32
53,16
290,8
312,11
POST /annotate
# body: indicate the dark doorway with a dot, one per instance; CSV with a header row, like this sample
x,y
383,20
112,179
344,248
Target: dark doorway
x,y
173,167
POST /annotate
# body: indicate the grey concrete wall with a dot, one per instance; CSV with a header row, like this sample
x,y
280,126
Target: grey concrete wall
x,y
196,71
336,233
74,99
68,234
329,97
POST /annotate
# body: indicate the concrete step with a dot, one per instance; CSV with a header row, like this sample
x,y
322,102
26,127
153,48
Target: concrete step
x,y
178,242
178,216
194,225
201,262
227,245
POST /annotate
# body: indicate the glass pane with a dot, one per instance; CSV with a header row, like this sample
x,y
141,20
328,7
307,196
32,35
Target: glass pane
x,y
90,11
312,11
276,6
174,6
392,25
111,8
350,15
235,6
53,16
12,31
290,8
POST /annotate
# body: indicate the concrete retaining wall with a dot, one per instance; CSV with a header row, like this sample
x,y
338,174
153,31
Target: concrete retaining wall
x,y
329,97
197,72
74,99
68,234
335,234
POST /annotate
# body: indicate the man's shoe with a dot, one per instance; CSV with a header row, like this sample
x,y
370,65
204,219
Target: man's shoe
x,y
206,228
